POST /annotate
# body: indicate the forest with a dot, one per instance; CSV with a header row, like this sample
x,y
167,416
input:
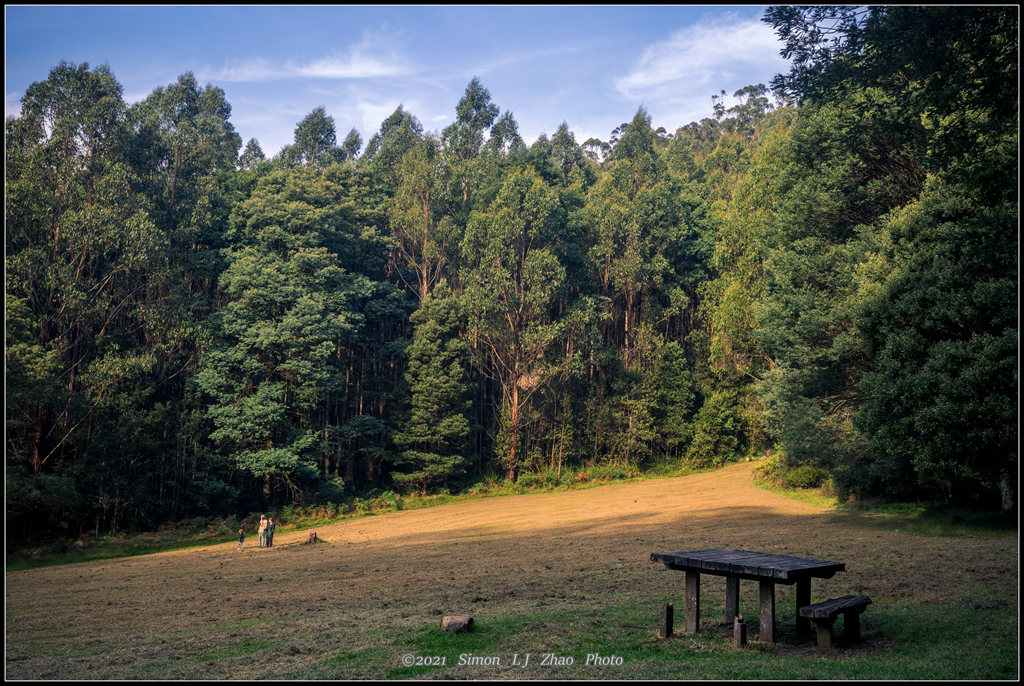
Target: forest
x,y
824,273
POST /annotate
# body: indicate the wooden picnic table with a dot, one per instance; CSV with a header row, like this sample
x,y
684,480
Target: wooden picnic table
x,y
765,568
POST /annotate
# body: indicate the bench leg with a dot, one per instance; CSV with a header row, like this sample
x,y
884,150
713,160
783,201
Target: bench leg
x,y
692,602
851,626
732,598
767,592
824,627
803,598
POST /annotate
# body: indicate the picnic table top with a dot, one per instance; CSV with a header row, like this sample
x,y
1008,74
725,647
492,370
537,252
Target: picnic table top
x,y
749,564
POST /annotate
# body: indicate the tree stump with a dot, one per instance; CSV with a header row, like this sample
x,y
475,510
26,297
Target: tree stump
x,y
457,624
312,538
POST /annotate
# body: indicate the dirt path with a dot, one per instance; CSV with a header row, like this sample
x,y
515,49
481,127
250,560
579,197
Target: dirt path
x,y
180,614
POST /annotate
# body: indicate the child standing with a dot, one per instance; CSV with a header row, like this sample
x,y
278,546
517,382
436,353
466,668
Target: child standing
x,y
241,538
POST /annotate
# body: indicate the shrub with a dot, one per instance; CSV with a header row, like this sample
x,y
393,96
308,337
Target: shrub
x,y
804,476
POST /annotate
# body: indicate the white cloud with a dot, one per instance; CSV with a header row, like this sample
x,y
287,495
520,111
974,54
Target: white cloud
x,y
367,59
12,104
701,56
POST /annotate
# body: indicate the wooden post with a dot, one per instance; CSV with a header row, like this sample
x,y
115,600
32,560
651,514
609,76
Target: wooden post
x,y
732,597
739,632
665,628
692,602
767,592
803,599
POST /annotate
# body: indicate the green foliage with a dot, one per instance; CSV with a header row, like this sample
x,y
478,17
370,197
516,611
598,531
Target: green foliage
x,y
436,432
190,331
289,313
942,399
511,279
474,116
716,433
315,138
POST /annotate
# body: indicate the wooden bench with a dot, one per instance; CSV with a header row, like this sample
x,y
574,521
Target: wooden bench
x,y
824,616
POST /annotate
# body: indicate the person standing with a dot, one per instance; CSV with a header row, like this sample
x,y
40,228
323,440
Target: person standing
x,y
270,532
262,531
241,538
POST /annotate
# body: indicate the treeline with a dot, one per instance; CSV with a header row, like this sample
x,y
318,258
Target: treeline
x,y
830,277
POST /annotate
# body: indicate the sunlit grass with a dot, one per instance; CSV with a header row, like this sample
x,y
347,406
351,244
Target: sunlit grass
x,y
289,518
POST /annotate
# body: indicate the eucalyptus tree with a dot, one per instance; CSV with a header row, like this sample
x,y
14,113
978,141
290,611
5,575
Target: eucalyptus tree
x,y
87,278
398,134
464,138
252,155
349,148
505,139
422,229
315,138
512,278
638,216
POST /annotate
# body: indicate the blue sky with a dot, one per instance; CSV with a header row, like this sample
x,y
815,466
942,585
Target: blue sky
x,y
589,66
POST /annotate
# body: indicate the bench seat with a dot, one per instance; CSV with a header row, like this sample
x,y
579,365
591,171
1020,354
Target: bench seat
x,y
824,616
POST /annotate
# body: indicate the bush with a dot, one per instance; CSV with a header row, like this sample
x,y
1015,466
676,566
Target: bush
x,y
777,470
804,476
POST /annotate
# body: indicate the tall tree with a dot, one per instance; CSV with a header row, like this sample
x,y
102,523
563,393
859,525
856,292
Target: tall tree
x,y
435,434
464,139
512,276
277,365
87,282
420,226
315,138
386,148
932,94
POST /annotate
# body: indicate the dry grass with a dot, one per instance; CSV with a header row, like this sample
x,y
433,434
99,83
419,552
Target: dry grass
x,y
351,606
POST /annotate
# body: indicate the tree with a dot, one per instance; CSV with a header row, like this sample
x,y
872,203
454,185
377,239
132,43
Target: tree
x,y
276,365
716,433
386,148
252,155
421,229
637,216
93,333
474,116
505,139
930,96
464,139
315,138
511,277
351,145
941,402
183,134
435,434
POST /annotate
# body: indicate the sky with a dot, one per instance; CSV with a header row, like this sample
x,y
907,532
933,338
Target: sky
x,y
589,66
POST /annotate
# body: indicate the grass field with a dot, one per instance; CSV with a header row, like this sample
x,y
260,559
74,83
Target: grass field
x,y
565,575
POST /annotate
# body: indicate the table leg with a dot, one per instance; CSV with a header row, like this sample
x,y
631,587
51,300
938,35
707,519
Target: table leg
x,y
803,599
692,602
732,598
767,589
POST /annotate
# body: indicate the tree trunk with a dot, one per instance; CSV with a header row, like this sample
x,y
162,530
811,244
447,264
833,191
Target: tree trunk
x,y
1007,490
513,431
